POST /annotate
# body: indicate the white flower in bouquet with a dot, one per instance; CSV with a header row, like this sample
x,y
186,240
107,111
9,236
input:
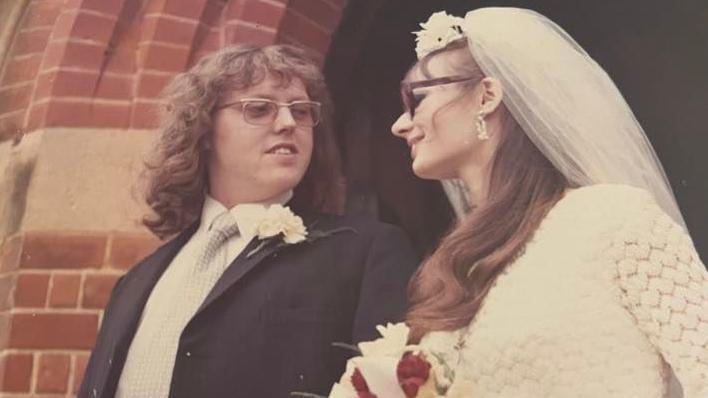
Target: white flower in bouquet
x,y
342,390
393,341
389,368
376,365
380,375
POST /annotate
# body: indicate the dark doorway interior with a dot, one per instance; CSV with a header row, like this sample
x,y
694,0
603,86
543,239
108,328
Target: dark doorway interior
x,y
656,52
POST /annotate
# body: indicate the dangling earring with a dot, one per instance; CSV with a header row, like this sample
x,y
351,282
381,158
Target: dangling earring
x,y
482,133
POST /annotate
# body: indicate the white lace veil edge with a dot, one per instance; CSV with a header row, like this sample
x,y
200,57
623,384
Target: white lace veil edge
x,y
456,193
565,102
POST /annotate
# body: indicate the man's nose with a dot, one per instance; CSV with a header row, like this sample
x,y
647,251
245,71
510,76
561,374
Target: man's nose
x,y
284,120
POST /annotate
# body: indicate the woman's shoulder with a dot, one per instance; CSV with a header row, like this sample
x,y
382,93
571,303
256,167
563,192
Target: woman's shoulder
x,y
594,211
609,194
619,213
362,223
360,230
602,201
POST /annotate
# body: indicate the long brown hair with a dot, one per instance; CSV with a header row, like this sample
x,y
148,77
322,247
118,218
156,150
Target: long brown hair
x,y
177,172
447,290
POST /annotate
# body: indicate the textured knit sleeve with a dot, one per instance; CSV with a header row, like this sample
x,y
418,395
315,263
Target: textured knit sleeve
x,y
664,286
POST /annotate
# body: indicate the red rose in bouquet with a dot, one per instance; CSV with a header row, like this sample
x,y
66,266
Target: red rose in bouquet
x,y
413,371
359,383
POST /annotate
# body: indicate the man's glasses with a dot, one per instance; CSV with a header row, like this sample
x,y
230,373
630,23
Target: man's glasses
x,y
411,101
262,112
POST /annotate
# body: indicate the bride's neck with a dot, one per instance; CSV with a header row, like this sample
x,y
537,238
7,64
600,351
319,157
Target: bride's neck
x,y
477,181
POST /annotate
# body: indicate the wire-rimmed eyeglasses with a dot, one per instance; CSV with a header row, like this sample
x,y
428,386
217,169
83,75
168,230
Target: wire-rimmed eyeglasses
x,y
263,111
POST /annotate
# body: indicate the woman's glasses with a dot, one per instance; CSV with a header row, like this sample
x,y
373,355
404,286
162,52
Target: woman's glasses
x,y
411,101
262,111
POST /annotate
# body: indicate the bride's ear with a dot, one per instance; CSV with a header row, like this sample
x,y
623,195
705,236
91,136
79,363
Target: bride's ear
x,y
492,94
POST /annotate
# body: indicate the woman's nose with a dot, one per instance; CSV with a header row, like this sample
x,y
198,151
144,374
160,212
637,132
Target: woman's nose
x,y
402,125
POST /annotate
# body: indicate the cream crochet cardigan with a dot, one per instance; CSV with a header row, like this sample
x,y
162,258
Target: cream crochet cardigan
x,y
608,300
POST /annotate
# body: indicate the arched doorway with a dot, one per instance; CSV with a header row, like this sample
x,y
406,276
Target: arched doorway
x,y
656,55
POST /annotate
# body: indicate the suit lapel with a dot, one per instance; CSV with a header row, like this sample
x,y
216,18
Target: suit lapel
x,y
150,272
247,260
128,310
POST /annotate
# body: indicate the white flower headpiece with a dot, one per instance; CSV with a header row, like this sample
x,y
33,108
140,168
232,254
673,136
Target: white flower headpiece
x,y
438,31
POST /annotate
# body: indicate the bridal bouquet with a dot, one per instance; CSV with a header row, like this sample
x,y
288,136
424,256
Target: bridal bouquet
x,y
390,368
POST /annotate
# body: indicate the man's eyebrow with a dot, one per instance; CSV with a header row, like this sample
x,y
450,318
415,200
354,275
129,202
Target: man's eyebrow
x,y
299,97
260,95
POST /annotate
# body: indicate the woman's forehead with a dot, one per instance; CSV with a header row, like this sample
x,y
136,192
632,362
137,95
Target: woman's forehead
x,y
413,74
436,66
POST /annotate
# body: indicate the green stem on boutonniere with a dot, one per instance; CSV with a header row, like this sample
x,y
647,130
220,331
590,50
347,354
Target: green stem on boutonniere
x,y
305,395
258,248
350,347
311,237
314,235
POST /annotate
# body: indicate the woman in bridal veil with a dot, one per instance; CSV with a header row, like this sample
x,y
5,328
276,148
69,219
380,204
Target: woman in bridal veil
x,y
570,272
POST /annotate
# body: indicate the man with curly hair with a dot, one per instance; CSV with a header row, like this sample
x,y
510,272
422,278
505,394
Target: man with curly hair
x,y
259,277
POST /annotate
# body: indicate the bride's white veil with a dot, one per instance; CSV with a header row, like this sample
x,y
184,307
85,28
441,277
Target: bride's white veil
x,y
565,102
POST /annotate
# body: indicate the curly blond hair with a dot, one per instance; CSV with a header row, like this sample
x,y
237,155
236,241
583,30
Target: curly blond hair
x,y
176,173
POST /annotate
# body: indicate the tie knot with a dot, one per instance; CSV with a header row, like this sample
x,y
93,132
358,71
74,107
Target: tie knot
x,y
224,224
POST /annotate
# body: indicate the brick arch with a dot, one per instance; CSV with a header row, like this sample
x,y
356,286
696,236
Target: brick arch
x,y
169,28
310,23
94,63
79,82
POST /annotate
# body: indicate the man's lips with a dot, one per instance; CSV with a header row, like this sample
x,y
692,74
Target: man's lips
x,y
283,149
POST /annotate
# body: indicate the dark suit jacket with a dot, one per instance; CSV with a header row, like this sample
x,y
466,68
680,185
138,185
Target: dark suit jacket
x,y
267,327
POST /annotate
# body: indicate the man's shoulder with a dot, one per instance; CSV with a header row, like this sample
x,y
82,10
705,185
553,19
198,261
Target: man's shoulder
x,y
364,224
161,255
359,233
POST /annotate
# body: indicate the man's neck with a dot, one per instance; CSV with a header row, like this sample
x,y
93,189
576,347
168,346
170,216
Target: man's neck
x,y
230,202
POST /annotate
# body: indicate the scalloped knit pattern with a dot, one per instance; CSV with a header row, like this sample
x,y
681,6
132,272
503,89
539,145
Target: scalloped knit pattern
x,y
608,300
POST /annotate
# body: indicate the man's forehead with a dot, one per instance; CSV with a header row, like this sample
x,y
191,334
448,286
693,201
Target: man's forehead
x,y
277,80
273,85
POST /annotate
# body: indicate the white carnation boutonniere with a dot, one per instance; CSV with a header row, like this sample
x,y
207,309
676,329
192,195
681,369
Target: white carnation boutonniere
x,y
278,222
438,31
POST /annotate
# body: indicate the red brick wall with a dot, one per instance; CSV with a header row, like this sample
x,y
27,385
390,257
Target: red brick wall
x,y
53,288
102,64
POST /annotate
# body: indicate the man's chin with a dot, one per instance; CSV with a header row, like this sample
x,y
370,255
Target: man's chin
x,y
284,182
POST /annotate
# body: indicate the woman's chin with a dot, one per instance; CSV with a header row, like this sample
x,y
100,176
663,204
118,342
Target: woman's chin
x,y
426,171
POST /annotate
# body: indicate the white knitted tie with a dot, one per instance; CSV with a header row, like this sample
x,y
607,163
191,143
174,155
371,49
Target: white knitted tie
x,y
152,375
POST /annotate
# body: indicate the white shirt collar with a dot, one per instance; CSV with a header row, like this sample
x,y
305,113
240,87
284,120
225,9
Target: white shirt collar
x,y
247,215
